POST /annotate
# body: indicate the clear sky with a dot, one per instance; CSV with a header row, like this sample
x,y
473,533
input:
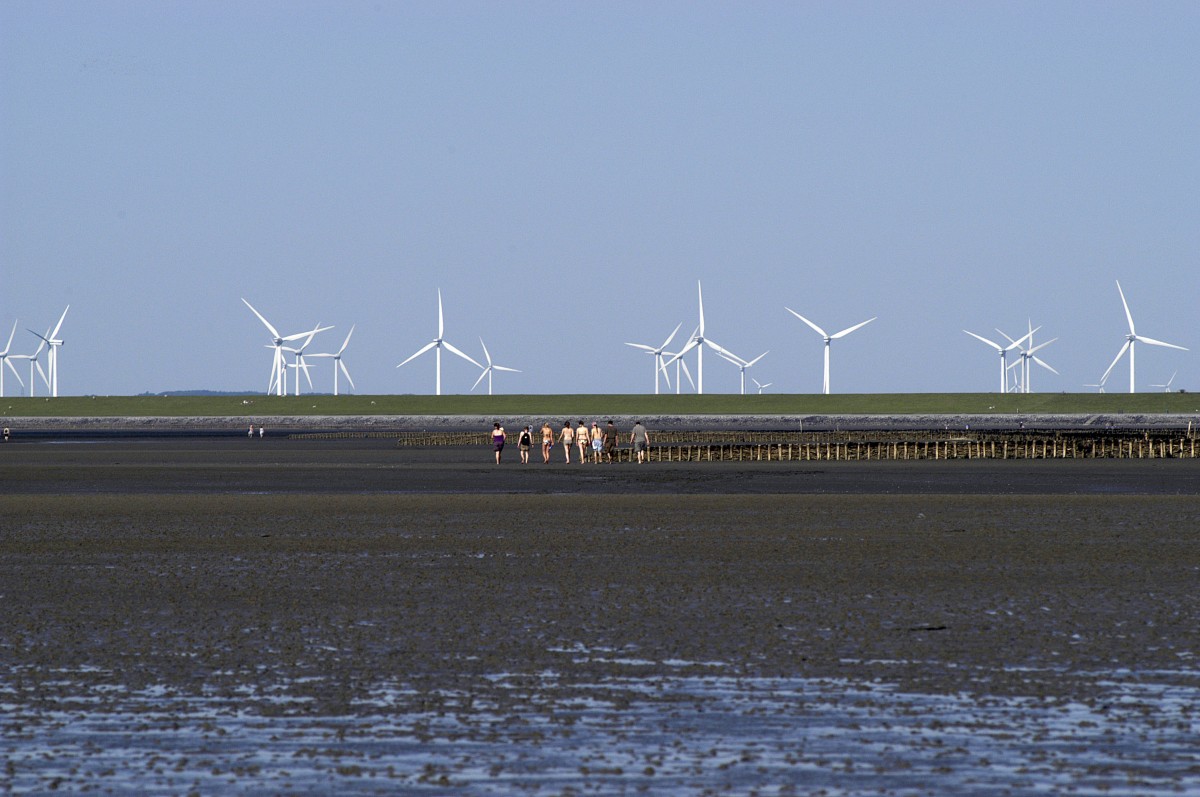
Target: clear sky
x,y
566,172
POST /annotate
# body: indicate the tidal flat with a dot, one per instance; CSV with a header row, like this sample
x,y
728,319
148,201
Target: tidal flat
x,y
190,617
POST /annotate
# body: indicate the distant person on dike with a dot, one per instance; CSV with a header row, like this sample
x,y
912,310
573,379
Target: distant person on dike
x,y
547,441
498,439
640,440
524,443
7,433
567,439
582,440
610,440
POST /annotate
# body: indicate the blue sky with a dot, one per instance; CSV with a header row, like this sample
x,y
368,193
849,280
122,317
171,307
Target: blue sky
x,y
567,172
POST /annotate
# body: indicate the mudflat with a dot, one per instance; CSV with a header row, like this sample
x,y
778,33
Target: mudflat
x,y
295,577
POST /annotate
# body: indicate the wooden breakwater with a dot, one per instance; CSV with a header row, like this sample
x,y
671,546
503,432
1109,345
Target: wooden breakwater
x,y
861,446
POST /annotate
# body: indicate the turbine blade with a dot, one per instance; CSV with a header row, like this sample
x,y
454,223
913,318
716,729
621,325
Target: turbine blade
x,y
8,345
670,337
1125,304
848,330
505,368
58,326
816,328
1154,342
1116,359
756,359
1041,346
486,355
1040,362
688,374
650,349
480,379
346,372
266,323
420,351
13,368
346,342
441,324
726,353
993,344
460,354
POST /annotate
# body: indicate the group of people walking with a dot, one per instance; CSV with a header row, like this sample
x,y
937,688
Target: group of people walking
x,y
594,442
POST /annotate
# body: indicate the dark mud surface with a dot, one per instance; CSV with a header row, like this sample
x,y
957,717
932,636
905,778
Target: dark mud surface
x,y
311,617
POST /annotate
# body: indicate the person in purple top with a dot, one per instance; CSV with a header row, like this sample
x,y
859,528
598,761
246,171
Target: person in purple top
x,y
498,440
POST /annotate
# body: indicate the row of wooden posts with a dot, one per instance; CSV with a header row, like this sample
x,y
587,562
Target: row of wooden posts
x,y
856,446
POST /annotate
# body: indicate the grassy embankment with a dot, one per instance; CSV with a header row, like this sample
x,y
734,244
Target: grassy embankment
x,y
602,404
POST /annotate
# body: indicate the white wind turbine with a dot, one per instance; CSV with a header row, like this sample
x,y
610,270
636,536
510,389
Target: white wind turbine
x,y
698,342
1132,338
337,362
490,368
829,338
437,344
1099,386
1003,351
278,381
299,363
1027,356
658,356
761,385
679,364
6,360
1167,387
742,364
52,340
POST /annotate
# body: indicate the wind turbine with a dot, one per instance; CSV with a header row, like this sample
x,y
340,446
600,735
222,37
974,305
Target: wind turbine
x,y
1132,338
299,364
1167,387
698,342
277,381
658,356
829,338
1003,351
1100,385
742,365
490,367
52,340
761,385
1028,355
437,344
337,362
6,360
679,364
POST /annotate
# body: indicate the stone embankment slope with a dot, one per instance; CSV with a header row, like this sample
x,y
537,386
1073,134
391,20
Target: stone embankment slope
x,y
385,423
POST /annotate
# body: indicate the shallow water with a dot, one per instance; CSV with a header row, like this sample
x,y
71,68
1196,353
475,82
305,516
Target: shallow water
x,y
699,731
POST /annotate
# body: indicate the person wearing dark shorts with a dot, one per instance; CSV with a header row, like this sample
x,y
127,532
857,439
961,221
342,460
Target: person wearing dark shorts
x,y
524,443
498,440
610,441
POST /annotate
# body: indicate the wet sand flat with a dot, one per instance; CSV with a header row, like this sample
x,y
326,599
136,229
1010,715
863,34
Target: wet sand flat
x,y
372,619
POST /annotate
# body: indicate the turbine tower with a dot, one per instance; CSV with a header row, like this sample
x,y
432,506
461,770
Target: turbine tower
x,y
658,356
828,339
6,360
490,368
299,364
52,340
1130,339
437,344
337,362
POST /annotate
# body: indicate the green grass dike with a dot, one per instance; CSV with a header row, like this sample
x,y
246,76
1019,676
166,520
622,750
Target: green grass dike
x,y
602,404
